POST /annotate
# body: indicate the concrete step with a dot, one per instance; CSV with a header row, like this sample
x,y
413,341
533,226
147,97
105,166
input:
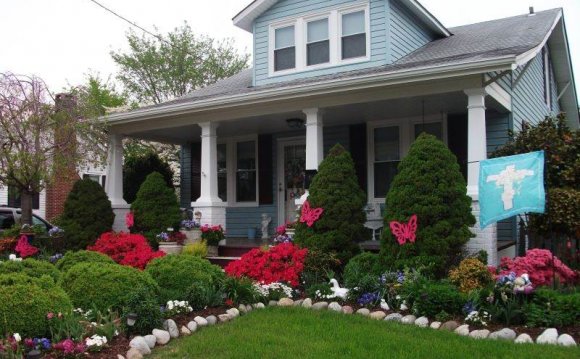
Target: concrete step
x,y
221,261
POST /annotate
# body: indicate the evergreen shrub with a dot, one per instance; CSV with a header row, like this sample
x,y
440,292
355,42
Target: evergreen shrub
x,y
141,302
436,297
137,168
83,256
361,266
31,267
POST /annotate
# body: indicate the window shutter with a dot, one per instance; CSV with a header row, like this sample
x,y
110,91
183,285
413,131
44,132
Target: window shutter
x,y
265,170
195,171
358,151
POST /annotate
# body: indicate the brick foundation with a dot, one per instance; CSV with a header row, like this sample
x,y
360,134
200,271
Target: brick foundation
x,y
485,239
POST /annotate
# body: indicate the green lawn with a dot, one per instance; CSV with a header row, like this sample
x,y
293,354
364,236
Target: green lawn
x,y
301,333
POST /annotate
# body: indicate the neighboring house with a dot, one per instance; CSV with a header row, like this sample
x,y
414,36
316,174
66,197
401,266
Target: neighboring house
x,y
370,75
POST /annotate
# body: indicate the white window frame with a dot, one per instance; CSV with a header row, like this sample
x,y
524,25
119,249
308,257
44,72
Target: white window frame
x,y
100,175
406,138
334,16
231,168
547,83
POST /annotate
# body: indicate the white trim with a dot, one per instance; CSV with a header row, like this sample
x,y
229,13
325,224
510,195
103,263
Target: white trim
x,y
531,54
500,95
281,185
231,167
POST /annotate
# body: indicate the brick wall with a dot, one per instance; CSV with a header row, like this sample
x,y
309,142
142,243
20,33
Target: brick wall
x,y
485,238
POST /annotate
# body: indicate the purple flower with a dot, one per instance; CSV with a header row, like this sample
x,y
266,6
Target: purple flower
x,y
368,298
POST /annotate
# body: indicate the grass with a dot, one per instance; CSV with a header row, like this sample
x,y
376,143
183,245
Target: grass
x,y
301,333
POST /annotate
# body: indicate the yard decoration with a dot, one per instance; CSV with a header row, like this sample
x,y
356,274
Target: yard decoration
x,y
24,248
335,188
129,219
429,185
405,231
310,215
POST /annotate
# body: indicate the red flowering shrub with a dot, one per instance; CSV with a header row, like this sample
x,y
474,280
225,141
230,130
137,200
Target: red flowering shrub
x,y
281,263
24,248
537,263
126,249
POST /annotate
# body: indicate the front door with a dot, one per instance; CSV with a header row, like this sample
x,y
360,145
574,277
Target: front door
x,y
291,176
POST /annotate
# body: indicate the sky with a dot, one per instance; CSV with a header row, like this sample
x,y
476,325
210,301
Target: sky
x,y
63,40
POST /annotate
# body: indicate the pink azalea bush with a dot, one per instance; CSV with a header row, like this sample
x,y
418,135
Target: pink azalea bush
x,y
537,263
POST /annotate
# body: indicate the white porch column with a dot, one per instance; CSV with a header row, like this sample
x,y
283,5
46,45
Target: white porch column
x,y
314,148
485,239
114,181
212,208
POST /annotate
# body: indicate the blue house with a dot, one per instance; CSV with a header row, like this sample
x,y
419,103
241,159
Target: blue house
x,y
368,74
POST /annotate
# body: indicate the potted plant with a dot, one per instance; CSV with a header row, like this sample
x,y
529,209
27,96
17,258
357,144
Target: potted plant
x,y
212,235
190,228
171,242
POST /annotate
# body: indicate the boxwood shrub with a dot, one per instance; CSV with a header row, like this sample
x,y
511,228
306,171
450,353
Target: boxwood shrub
x,y
434,298
550,308
176,273
360,266
26,301
104,285
71,258
31,267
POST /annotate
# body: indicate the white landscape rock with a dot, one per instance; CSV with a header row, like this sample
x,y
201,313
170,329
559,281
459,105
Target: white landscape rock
x,y
119,356
141,345
435,325
224,317
462,330
378,315
566,340
347,309
335,306
479,334
242,309
307,303
320,305
285,302
503,334
298,302
422,322
162,336
192,326
364,312
408,319
548,336
211,320
394,317
233,312
134,354
523,339
151,340
171,327
259,306
201,321
272,303
184,331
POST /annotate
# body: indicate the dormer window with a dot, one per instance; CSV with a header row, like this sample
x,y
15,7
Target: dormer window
x,y
353,41
285,49
317,42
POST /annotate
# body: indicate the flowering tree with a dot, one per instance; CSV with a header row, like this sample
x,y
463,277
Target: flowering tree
x,y
39,139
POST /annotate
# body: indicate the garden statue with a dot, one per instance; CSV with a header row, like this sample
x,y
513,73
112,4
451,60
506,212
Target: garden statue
x,y
339,292
197,218
265,223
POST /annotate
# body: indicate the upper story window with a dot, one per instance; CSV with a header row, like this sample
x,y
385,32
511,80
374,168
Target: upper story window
x,y
331,38
284,48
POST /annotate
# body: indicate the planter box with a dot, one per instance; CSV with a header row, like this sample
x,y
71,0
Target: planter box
x,y
170,247
212,251
193,235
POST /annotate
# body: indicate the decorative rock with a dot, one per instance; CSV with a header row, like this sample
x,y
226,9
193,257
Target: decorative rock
x,y
171,327
151,340
449,325
548,336
462,330
479,334
192,326
133,353
298,302
141,345
422,322
566,340
364,312
272,303
408,319
201,321
503,334
523,338
435,325
285,302
224,317
260,306
320,305
184,330
162,336
394,317
347,309
119,356
378,315
307,303
233,312
211,320
335,306
242,309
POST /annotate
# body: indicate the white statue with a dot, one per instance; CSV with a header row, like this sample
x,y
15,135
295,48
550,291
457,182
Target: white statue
x,y
265,223
337,291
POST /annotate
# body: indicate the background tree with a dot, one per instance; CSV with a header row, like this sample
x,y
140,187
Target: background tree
x,y
98,96
137,167
38,139
430,185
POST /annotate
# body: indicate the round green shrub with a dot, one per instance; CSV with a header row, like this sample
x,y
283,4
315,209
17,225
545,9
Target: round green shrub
x,y
137,168
176,273
105,285
156,207
430,185
26,301
145,305
87,214
361,266
83,256
31,267
434,298
335,188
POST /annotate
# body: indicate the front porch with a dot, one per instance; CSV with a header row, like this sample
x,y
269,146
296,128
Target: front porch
x,y
245,169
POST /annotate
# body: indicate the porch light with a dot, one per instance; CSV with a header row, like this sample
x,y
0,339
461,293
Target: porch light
x,y
295,123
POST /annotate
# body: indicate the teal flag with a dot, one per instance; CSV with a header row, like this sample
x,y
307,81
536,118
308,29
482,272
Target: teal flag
x,y
511,185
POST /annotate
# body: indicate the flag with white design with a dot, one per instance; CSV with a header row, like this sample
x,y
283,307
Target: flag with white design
x,y
511,185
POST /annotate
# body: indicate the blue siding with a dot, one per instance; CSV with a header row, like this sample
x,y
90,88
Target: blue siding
x,y
333,135
505,82
554,86
406,33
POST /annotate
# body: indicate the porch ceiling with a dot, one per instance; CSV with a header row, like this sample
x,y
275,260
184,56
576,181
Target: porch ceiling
x,y
451,103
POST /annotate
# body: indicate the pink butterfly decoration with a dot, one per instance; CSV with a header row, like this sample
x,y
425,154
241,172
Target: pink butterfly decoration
x,y
404,231
129,219
310,215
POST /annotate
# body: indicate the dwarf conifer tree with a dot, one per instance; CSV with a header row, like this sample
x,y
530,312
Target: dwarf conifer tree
x,y
430,185
335,188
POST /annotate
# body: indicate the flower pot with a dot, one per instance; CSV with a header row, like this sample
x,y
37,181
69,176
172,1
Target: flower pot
x,y
193,235
170,247
212,251
290,232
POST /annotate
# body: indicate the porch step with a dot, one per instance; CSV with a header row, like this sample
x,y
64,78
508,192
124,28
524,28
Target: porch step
x,y
221,261
237,247
370,246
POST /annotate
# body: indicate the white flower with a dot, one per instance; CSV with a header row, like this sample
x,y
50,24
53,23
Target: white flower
x,y
17,337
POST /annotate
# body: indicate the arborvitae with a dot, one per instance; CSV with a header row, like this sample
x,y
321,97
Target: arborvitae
x,y
430,185
87,214
335,188
137,168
